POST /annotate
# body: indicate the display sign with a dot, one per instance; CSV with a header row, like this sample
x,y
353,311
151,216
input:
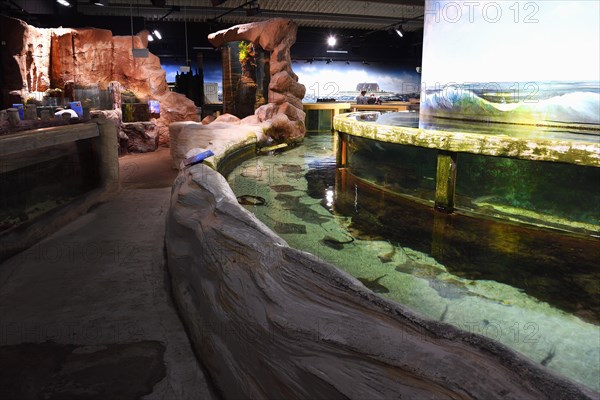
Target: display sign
x,y
154,106
76,106
21,109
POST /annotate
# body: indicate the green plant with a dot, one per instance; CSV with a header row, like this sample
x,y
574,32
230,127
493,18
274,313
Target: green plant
x,y
33,100
127,110
127,96
247,57
56,92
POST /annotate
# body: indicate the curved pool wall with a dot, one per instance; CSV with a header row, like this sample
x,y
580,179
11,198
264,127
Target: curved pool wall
x,y
269,321
534,175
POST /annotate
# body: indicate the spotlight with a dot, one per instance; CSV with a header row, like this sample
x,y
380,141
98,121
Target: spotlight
x,y
400,31
331,41
150,38
64,3
157,34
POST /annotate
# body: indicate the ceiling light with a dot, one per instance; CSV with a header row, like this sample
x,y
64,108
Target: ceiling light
x,y
100,3
338,51
150,38
400,31
331,41
64,3
157,34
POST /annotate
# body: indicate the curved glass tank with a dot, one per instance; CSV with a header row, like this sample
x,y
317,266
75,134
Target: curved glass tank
x,y
513,256
546,176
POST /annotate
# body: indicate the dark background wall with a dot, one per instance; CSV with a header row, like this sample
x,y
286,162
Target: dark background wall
x,y
380,46
382,52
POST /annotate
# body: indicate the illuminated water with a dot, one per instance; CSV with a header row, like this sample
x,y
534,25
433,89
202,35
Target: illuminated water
x,y
533,290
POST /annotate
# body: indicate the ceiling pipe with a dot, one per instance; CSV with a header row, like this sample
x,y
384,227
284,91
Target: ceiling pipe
x,y
232,10
372,23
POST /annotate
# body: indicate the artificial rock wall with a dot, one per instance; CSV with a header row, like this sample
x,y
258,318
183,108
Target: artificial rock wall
x,y
37,59
269,321
285,93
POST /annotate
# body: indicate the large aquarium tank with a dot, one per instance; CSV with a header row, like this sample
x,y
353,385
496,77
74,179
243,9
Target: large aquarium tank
x,y
35,182
532,289
508,132
559,195
245,77
91,96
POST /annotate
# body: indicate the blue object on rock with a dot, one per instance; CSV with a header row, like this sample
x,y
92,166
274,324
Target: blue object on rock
x,y
21,109
76,106
198,158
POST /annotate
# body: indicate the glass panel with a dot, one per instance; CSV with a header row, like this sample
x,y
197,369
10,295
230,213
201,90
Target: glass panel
x,y
561,195
246,78
35,182
399,168
319,120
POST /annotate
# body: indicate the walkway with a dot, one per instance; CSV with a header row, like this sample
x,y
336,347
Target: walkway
x,y
87,313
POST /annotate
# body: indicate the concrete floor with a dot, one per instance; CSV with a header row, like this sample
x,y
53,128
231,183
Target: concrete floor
x,y
86,313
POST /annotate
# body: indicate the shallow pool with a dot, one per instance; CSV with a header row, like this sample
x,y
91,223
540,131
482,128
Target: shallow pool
x,y
534,290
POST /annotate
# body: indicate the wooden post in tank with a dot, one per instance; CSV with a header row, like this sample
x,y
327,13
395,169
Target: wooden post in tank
x,y
445,181
228,101
341,146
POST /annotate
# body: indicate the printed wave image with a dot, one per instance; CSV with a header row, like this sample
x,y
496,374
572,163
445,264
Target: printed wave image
x,y
574,104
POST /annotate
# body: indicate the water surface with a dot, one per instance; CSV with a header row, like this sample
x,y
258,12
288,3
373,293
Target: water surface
x,y
533,290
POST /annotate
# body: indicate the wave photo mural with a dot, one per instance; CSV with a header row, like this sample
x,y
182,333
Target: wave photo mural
x,y
522,62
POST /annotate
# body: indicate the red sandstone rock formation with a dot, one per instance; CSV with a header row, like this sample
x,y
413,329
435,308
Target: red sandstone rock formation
x,y
37,59
285,93
24,56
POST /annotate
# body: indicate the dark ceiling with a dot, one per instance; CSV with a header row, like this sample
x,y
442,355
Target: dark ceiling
x,y
364,29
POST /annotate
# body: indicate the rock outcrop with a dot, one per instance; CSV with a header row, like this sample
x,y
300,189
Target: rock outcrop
x,y
221,136
25,58
285,93
269,321
142,137
37,59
